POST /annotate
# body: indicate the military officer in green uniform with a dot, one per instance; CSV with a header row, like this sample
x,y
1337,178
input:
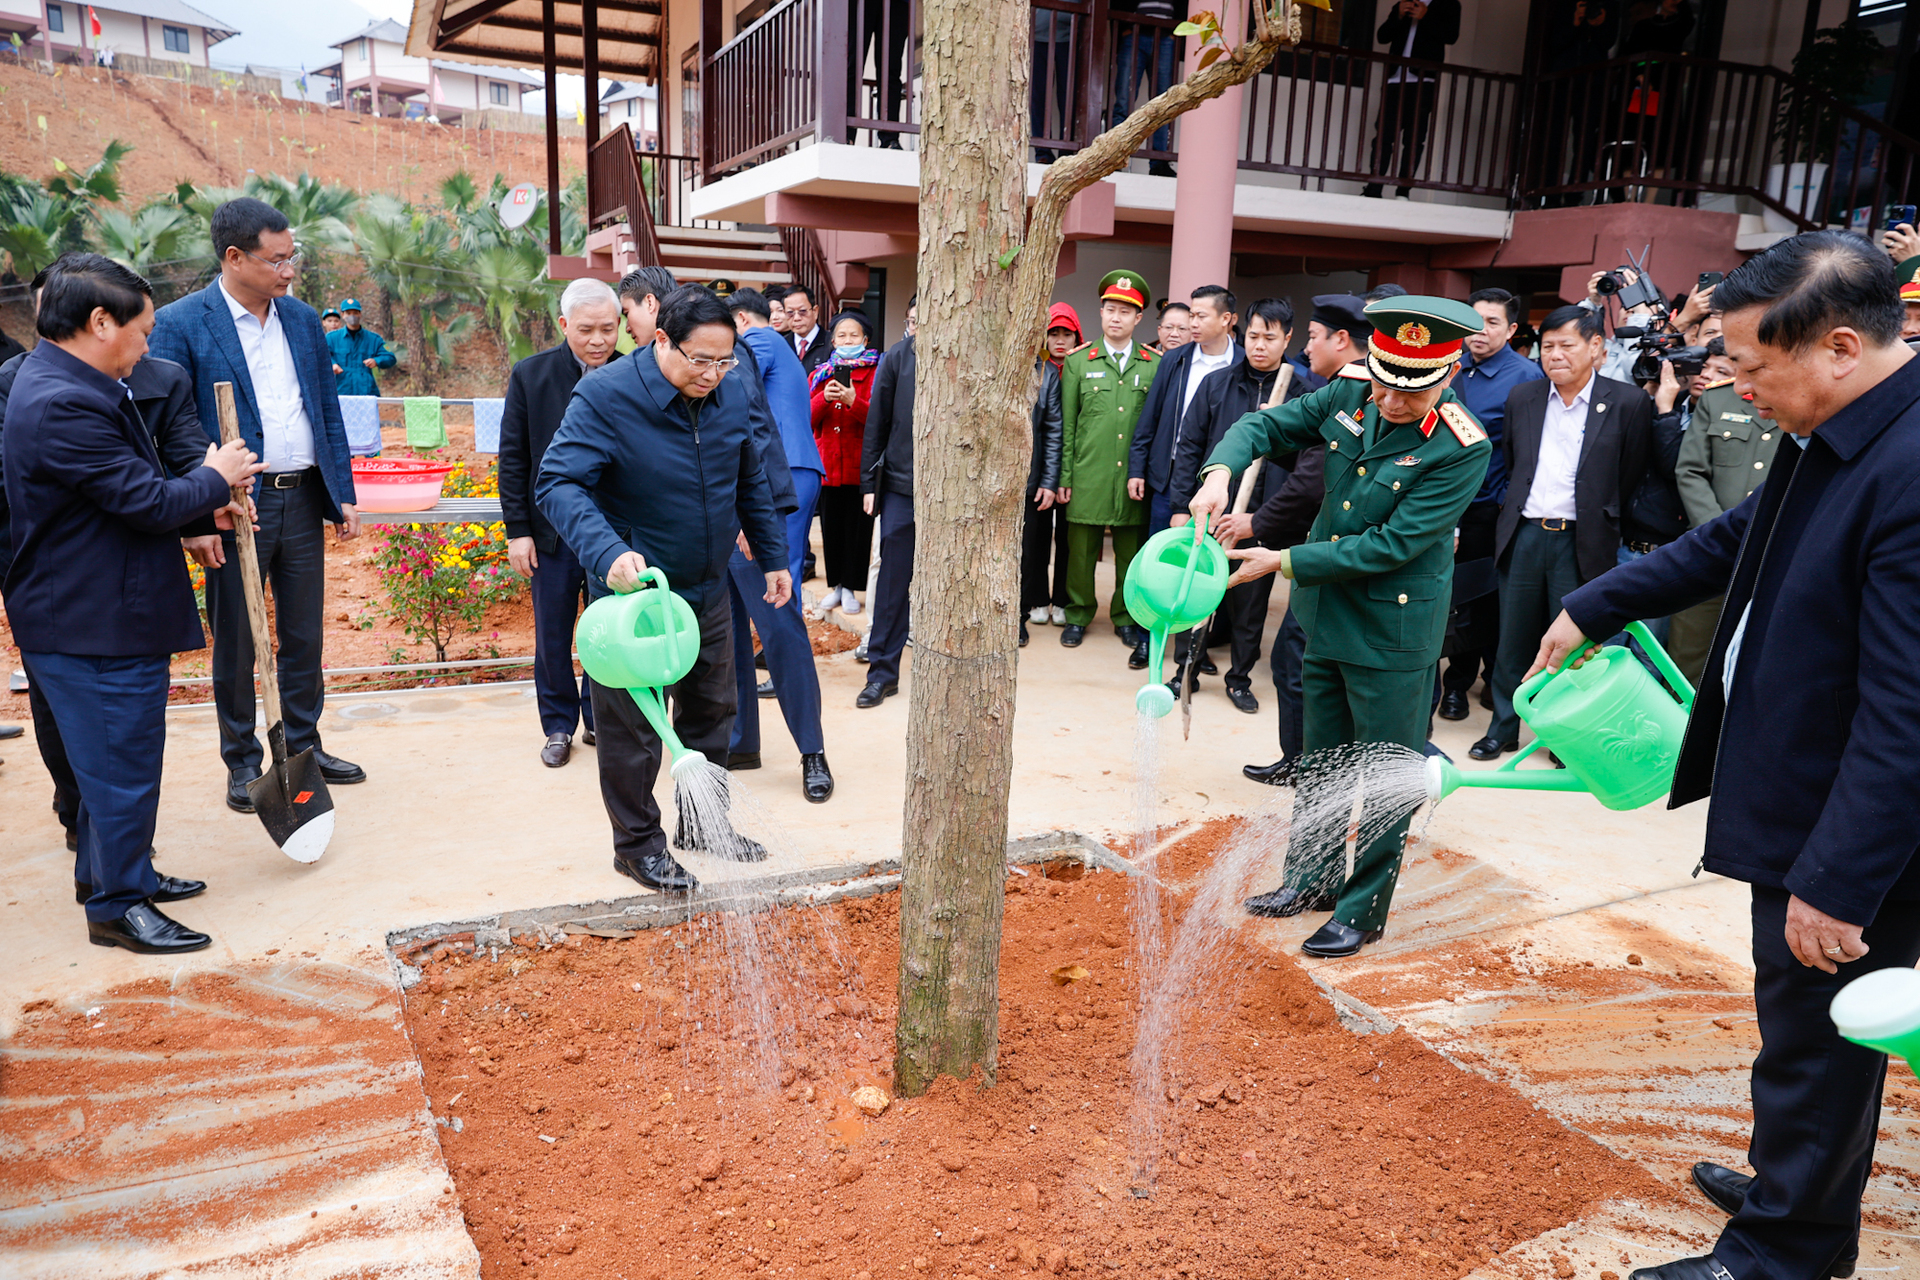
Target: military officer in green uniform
x,y
1373,582
1101,390
1724,456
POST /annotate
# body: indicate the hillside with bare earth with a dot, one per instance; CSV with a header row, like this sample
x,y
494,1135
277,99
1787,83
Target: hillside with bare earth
x,y
215,137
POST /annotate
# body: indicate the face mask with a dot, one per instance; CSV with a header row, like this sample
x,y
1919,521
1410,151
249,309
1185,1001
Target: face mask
x,y
852,352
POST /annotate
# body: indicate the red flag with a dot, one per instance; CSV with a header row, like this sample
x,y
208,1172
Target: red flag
x,y
93,18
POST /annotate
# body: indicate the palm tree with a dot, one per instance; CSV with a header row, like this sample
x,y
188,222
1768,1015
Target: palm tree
x,y
33,228
158,240
415,257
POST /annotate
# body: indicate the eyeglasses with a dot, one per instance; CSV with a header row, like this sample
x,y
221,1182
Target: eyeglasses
x,y
284,267
703,364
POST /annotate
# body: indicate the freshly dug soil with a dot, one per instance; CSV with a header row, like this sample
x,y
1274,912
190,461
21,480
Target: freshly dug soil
x,y
603,1130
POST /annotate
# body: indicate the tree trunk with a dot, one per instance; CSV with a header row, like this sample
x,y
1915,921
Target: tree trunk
x,y
420,361
972,443
982,322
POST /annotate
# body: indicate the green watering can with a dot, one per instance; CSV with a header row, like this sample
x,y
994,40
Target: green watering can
x,y
642,642
1609,721
1881,1010
1174,584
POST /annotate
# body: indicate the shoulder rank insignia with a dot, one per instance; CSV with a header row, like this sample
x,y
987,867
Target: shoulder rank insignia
x,y
1724,382
1077,350
1461,423
1148,354
1357,369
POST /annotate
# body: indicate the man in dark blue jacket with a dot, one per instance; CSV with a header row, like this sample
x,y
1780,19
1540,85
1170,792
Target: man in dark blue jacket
x,y
97,591
657,464
1805,728
1156,435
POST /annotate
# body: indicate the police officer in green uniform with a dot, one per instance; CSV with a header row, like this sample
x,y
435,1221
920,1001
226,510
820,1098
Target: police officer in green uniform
x,y
1724,456
1373,583
1102,387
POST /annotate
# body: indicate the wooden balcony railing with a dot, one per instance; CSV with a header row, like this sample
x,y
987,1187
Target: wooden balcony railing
x,y
620,191
760,94
1624,129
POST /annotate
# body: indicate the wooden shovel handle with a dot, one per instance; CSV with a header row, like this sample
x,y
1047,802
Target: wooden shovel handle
x,y
254,585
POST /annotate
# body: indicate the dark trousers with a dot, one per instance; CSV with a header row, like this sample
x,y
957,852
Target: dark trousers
x,y
846,536
1289,656
1347,703
112,714
1061,46
1043,538
1816,1101
891,609
789,650
702,707
53,754
1143,52
1478,527
1159,511
889,49
1540,568
1240,621
559,591
292,547
1406,117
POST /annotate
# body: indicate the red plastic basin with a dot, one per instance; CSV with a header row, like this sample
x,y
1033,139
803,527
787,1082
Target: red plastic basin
x,y
398,484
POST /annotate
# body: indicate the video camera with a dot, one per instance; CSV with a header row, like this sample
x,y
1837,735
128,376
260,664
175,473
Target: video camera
x,y
1640,292
1651,348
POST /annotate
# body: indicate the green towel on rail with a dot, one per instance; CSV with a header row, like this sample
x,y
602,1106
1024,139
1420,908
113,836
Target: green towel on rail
x,y
426,423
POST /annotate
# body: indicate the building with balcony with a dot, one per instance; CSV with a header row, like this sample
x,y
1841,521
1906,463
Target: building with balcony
x,y
1548,153
161,30
377,76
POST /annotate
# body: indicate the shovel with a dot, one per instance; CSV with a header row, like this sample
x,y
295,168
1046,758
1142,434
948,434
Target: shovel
x,y
290,796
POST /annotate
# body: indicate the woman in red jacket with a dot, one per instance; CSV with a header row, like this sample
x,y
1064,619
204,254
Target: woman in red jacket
x,y
841,387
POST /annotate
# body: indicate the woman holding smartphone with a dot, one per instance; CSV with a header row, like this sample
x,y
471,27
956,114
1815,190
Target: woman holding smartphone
x,y
842,386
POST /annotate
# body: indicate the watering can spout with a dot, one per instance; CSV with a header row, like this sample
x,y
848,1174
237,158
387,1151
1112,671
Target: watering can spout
x,y
1443,779
686,763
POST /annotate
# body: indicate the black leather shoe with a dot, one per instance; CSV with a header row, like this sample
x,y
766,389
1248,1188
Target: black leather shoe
x,y
1453,705
1243,699
73,840
1284,902
1023,633
1491,748
1335,940
1277,774
875,693
760,659
816,780
1683,1269
557,751
1132,636
336,771
1161,169
658,871
1722,1186
1206,666
1137,660
147,930
764,689
1071,635
586,737
237,779
172,889
737,848
740,761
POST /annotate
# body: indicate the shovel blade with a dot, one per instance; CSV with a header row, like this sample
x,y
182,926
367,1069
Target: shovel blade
x,y
292,801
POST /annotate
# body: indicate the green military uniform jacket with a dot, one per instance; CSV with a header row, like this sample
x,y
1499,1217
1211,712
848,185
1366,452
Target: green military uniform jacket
x,y
1373,583
1725,454
1099,403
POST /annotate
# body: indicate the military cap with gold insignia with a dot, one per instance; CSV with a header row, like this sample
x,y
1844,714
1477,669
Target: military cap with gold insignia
x,y
1416,341
1124,286
1908,274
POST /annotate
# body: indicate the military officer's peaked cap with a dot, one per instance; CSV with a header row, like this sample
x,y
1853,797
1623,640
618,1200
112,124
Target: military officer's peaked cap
x,y
1416,341
1123,286
1336,311
1908,274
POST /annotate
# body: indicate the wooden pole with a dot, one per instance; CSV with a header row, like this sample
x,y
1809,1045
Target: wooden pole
x,y
251,582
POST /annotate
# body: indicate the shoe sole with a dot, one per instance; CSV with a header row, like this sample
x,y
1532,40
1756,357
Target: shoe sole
x,y
654,885
239,808
868,706
79,900
556,764
343,782
1366,939
819,799
148,951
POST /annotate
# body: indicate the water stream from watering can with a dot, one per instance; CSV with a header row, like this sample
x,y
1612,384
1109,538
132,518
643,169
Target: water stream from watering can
x,y
1144,915
778,965
1345,797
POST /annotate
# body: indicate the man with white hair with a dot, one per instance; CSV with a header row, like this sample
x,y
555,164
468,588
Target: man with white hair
x,y
537,396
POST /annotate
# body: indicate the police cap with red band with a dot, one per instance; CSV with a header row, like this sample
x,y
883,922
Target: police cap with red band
x,y
1124,286
1416,341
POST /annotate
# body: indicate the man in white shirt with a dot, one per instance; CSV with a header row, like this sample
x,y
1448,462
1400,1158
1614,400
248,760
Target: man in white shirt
x,y
1419,30
246,329
1576,446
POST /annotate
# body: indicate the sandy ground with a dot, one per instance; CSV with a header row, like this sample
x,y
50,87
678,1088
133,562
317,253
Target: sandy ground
x,y
1503,907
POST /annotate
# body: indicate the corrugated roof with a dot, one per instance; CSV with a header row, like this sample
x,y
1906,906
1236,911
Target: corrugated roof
x,y
172,11
384,29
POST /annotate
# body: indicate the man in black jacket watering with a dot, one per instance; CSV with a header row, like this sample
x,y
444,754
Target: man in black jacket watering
x,y
657,464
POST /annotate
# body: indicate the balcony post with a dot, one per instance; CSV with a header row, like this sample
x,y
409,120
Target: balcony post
x,y
590,70
1209,150
710,42
549,60
832,65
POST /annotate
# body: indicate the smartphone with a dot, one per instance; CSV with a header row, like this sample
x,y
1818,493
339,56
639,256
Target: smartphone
x,y
840,376
1708,279
1899,213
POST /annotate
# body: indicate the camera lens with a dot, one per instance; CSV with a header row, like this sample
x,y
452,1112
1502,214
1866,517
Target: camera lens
x,y
1610,283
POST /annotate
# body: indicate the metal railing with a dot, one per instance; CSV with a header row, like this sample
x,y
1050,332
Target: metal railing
x,y
1322,112
1638,128
807,261
620,192
760,92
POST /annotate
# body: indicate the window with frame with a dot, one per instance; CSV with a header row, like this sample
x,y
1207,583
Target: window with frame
x,y
498,93
175,39
56,20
